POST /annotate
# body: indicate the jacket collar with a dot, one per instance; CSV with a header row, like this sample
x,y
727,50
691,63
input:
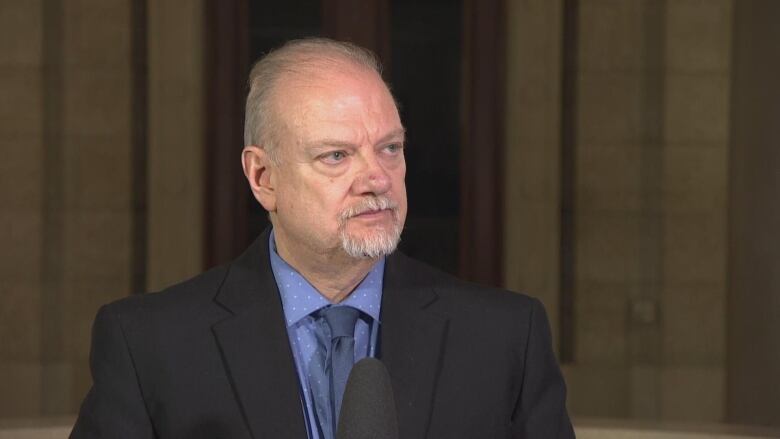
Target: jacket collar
x,y
255,347
412,341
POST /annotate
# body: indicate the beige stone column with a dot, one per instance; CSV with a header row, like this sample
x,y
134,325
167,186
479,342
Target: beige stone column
x,y
21,199
532,201
695,188
176,132
95,254
618,225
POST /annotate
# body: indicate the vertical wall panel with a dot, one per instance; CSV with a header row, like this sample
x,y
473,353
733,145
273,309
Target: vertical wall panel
x,y
531,168
176,184
754,244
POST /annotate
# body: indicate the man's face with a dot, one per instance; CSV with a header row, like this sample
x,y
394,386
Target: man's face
x,y
340,181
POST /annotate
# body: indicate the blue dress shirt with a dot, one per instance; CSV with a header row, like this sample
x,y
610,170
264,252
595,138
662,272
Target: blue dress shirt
x,y
300,299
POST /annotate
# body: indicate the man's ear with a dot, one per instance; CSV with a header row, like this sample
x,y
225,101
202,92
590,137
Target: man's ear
x,y
259,170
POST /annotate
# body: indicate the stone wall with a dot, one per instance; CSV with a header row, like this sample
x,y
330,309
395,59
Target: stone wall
x,y
67,86
650,191
21,213
532,174
69,180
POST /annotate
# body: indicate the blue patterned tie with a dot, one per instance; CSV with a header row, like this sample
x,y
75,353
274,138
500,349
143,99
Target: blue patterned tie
x,y
334,368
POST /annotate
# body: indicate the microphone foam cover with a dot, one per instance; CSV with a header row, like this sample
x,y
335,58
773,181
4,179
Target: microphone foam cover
x,y
368,408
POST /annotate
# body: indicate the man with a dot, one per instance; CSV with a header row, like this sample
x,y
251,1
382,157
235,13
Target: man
x,y
258,348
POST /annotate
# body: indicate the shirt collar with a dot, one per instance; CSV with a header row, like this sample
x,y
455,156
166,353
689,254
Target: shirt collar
x,y
300,298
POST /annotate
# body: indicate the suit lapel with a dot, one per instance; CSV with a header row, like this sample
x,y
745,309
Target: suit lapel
x,y
255,347
411,346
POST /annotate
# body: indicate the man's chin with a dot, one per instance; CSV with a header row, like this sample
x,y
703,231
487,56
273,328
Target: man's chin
x,y
370,244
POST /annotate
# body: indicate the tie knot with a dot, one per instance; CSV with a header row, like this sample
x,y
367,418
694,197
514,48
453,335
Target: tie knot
x,y
341,320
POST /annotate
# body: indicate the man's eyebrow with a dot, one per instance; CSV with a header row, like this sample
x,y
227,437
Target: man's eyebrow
x,y
317,147
400,132
324,143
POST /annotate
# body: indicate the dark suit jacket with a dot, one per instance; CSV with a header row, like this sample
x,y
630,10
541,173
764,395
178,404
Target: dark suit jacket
x,y
210,358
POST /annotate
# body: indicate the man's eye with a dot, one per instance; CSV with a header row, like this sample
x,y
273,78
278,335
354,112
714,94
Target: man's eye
x,y
333,156
394,147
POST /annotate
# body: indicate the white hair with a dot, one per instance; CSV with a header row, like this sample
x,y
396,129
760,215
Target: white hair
x,y
302,58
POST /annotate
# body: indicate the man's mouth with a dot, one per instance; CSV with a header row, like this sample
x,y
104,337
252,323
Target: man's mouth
x,y
373,213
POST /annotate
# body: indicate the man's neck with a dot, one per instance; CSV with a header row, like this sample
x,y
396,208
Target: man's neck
x,y
334,274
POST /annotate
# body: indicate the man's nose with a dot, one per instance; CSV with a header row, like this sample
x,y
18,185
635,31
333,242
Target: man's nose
x,y
373,177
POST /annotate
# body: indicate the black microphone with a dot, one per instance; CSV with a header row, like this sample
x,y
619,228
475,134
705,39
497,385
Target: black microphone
x,y
368,408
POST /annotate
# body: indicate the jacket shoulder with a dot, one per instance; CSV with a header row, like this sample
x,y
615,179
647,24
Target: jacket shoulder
x,y
187,295
459,292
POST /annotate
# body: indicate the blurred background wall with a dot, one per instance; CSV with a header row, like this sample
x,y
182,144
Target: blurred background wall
x,y
101,190
643,124
616,158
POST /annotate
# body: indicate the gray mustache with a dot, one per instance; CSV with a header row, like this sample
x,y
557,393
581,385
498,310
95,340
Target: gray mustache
x,y
370,204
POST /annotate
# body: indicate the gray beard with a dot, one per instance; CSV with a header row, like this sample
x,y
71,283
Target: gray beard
x,y
377,243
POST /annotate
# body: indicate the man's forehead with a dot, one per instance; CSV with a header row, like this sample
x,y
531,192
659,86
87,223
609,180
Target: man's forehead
x,y
331,95
327,69
337,79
